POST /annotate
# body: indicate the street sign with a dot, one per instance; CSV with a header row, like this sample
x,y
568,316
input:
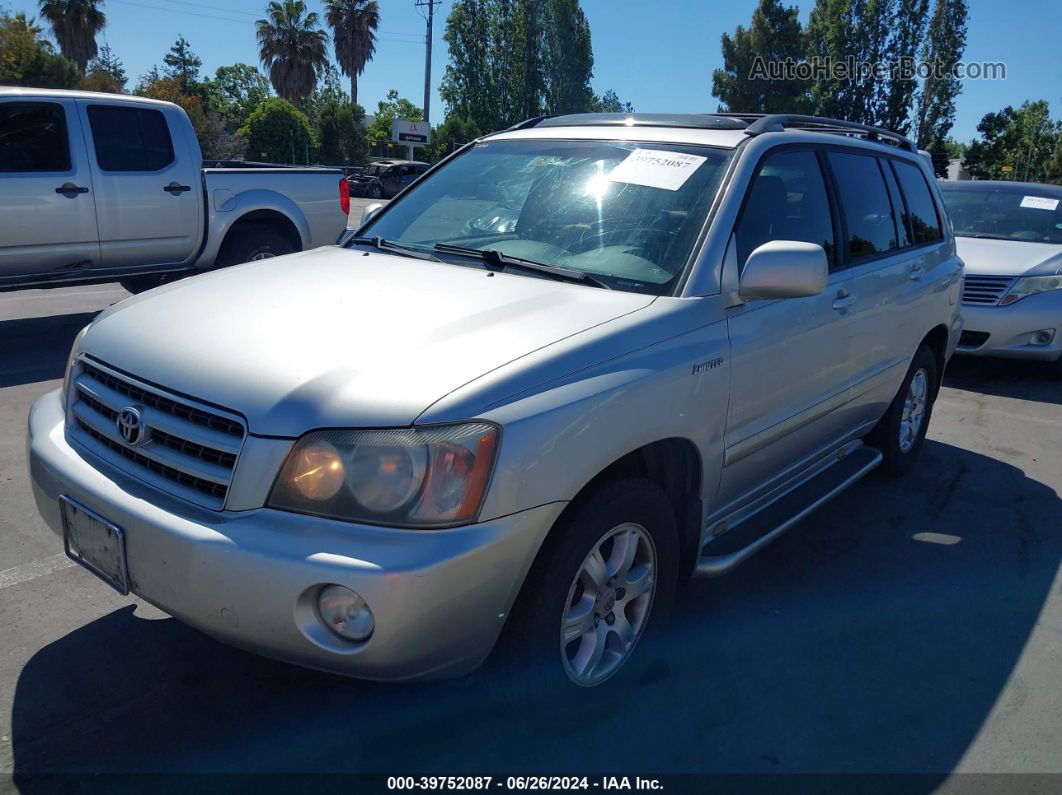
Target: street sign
x,y
416,133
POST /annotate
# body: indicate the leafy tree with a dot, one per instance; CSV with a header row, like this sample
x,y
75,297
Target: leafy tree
x,y
169,89
236,91
75,24
1023,139
894,96
609,102
342,138
394,107
567,59
448,136
472,84
943,49
27,59
354,24
292,48
105,73
329,89
278,132
744,83
1053,165
183,65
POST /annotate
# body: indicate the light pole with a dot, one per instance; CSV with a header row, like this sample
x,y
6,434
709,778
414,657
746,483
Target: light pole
x,y
430,5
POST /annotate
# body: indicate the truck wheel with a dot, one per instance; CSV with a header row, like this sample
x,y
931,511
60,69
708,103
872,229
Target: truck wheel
x,y
900,434
608,569
252,243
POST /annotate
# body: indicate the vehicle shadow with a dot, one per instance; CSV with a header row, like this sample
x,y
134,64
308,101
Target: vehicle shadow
x,y
1012,378
35,349
875,637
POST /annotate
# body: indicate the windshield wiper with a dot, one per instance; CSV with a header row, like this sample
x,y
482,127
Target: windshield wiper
x,y
986,237
392,247
495,259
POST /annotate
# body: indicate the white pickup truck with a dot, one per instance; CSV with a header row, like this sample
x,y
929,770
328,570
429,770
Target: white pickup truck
x,y
106,187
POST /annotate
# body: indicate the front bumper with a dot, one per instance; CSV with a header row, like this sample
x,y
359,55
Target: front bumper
x,y
1010,328
249,577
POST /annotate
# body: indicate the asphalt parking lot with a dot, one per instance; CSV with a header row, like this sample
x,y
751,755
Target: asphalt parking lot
x,y
912,626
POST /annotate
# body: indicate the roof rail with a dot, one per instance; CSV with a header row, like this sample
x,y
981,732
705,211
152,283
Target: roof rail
x,y
526,124
777,122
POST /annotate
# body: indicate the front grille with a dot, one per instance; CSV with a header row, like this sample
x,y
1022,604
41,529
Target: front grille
x,y
985,290
189,450
973,339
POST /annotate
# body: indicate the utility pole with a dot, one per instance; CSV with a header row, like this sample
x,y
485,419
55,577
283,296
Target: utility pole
x,y
430,5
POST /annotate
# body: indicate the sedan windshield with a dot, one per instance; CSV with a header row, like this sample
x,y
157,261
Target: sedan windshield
x,y
626,213
1005,213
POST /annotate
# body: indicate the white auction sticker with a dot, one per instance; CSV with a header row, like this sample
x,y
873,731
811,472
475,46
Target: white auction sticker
x,y
1039,202
656,168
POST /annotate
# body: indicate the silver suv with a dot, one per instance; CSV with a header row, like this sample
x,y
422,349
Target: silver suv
x,y
574,364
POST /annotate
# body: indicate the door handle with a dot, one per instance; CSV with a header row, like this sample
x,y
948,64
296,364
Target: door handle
x,y
174,189
843,300
70,189
916,273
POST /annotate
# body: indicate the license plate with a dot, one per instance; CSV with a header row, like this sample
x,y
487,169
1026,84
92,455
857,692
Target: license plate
x,y
95,543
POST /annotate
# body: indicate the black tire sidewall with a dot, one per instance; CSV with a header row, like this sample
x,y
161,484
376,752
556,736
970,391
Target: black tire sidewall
x,y
251,242
530,650
886,436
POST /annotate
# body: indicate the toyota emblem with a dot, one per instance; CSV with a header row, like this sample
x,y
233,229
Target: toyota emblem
x,y
131,426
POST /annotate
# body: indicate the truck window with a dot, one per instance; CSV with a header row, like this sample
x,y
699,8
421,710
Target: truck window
x,y
786,201
922,213
33,138
865,204
130,139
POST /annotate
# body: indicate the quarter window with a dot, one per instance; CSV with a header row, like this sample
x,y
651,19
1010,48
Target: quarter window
x,y
130,139
865,204
33,138
786,201
921,212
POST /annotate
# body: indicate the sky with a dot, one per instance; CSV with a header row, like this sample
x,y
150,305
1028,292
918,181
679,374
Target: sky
x,y
658,56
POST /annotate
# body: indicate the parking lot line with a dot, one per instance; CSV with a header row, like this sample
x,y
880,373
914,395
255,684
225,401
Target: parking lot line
x,y
33,570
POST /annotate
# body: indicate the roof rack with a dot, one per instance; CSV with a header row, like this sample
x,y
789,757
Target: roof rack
x,y
777,122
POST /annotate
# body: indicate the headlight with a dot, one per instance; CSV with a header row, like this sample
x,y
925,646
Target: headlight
x,y
418,477
1031,285
75,349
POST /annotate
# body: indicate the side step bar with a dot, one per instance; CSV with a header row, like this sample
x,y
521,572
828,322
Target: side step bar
x,y
725,552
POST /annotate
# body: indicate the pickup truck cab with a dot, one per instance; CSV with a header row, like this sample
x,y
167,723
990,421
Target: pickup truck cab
x,y
571,366
106,187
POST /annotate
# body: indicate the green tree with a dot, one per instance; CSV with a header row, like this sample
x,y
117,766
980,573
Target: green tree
x,y
394,107
183,65
943,48
745,84
341,135
236,91
75,24
278,132
354,24
292,48
1053,165
105,73
27,59
1014,144
609,102
448,137
567,59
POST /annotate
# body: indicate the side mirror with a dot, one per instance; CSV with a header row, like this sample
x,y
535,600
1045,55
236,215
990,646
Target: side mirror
x,y
370,211
784,269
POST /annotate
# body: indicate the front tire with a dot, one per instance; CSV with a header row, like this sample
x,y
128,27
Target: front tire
x,y
901,433
607,573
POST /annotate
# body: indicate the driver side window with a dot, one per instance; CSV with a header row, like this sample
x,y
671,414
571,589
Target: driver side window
x,y
786,200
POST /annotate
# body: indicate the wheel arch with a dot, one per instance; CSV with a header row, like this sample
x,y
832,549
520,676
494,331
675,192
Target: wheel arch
x,y
937,341
272,218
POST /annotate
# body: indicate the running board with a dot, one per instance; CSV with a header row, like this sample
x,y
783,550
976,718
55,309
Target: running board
x,y
724,552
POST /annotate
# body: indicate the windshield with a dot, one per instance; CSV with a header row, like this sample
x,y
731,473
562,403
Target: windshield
x,y
1007,214
627,213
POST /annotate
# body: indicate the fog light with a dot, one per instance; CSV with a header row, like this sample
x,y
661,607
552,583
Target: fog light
x,y
345,613
1043,337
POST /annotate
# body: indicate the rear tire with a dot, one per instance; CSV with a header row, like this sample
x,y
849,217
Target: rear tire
x,y
609,604
252,243
900,434
149,281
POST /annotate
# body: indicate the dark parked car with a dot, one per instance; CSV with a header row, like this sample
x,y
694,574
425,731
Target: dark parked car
x,y
385,178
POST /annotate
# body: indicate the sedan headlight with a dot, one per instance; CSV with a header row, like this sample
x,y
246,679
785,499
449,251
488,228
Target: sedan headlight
x,y
416,477
75,349
1031,285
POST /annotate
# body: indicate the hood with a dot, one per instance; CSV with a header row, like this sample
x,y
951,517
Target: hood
x,y
1008,257
340,338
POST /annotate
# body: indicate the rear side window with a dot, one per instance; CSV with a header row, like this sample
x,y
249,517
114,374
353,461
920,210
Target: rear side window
x,y
899,214
130,139
865,204
33,138
921,212
786,201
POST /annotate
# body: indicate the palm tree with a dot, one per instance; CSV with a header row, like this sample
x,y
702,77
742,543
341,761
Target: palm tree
x,y
75,24
292,48
354,24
